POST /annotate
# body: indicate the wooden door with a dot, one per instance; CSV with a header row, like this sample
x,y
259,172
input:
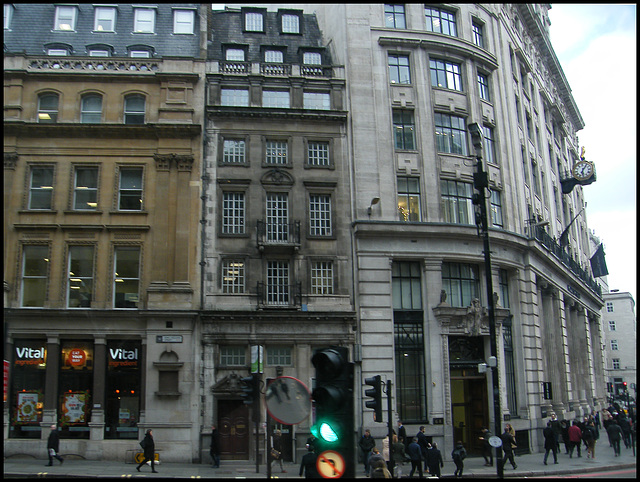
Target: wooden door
x,y
234,427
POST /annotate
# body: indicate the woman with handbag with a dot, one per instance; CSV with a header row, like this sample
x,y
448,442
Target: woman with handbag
x,y
276,449
149,448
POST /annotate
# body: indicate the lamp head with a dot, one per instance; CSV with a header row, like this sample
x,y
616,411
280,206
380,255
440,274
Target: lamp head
x,y
374,201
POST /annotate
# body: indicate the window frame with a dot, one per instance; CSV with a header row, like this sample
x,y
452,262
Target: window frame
x,y
41,189
495,200
310,57
278,282
130,114
98,19
489,144
138,22
92,191
396,70
393,14
404,129
130,191
456,201
411,198
286,23
448,72
276,152
448,130
466,277
322,279
233,218
320,210
277,217
232,276
53,114
316,100
273,56
275,98
43,275
82,278
234,51
284,358
126,279
477,33
484,87
85,113
313,148
57,25
233,356
237,151
188,26
250,24
430,21
230,97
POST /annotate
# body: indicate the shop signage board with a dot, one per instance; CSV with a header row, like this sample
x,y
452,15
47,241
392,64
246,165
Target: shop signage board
x,y
169,339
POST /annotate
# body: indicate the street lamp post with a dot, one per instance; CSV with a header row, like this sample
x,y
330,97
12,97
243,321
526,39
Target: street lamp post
x,y
480,183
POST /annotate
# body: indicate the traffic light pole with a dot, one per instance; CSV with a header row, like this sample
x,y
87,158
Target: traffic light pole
x,y
480,182
390,426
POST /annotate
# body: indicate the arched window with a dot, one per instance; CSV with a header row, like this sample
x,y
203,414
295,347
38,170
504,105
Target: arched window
x,y
48,108
134,109
91,112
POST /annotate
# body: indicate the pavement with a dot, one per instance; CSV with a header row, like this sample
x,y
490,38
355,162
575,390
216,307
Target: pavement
x,y
529,465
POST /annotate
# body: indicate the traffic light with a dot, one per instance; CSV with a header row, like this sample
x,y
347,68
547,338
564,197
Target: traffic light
x,y
333,396
376,394
251,395
624,386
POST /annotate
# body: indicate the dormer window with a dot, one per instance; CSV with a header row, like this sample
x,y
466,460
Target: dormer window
x,y
99,50
140,51
290,23
234,54
253,22
144,20
61,52
311,58
65,18
273,56
105,19
183,21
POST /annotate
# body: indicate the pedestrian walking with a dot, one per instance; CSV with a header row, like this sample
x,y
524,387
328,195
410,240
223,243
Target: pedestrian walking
x,y
308,464
615,435
458,454
53,446
550,443
625,425
386,450
214,450
487,450
149,450
557,429
276,449
399,455
415,455
434,460
366,443
589,436
575,438
508,444
402,434
424,443
565,436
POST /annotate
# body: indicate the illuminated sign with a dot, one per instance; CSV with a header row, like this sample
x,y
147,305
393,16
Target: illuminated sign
x,y
30,356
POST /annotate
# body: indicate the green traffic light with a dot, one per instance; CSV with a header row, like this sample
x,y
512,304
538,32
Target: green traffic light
x,y
325,431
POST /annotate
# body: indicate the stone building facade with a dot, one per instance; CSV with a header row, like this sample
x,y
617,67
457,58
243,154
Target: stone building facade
x,y
417,76
102,153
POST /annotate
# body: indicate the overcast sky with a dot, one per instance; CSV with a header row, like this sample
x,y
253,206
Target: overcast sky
x,y
596,46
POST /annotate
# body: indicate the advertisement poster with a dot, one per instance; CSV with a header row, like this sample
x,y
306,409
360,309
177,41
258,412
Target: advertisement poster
x,y
27,408
74,407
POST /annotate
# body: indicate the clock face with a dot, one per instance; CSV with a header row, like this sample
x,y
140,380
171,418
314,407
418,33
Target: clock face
x,y
582,170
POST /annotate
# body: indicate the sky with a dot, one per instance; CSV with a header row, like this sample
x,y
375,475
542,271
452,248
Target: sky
x,y
596,46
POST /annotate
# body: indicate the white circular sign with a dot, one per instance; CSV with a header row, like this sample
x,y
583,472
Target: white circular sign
x,y
495,441
330,465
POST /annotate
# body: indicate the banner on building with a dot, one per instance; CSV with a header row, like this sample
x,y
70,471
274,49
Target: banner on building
x,y
598,264
257,354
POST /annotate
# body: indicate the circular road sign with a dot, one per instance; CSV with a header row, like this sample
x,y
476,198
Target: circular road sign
x,y
330,465
288,400
495,441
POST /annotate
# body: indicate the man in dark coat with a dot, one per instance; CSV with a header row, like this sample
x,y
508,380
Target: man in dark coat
x,y
550,443
366,443
53,446
215,447
308,464
415,454
402,435
423,442
508,441
434,460
487,450
615,435
149,449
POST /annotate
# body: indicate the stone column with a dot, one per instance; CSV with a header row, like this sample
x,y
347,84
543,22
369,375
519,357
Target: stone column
x,y
50,409
184,215
589,381
96,426
435,341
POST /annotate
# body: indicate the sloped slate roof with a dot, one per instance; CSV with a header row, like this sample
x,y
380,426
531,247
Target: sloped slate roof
x,y
227,28
32,28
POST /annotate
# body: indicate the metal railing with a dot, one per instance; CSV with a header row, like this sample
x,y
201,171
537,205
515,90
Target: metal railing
x,y
278,234
279,295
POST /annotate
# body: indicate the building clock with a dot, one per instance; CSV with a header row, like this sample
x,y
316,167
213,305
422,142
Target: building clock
x,y
582,170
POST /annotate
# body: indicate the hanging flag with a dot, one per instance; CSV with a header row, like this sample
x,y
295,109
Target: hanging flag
x,y
598,264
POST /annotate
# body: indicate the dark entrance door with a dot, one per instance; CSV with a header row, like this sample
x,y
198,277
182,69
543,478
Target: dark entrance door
x,y
469,407
234,427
